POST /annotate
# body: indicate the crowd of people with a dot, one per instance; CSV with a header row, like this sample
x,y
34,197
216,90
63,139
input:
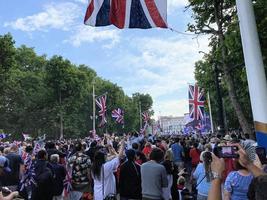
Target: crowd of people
x,y
134,167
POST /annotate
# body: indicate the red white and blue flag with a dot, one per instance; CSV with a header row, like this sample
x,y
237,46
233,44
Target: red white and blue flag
x,y
196,102
146,117
118,115
142,14
101,103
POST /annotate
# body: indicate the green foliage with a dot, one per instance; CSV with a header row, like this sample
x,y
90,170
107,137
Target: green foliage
x,y
36,92
205,22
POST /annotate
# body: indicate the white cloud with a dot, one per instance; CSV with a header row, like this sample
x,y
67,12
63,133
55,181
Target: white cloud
x,y
81,1
171,107
162,67
87,34
175,4
55,15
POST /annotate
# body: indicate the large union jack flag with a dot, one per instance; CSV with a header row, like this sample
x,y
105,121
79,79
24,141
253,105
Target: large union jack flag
x,y
127,13
101,103
118,115
196,102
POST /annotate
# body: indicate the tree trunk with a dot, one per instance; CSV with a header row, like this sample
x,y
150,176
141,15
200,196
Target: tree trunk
x,y
218,11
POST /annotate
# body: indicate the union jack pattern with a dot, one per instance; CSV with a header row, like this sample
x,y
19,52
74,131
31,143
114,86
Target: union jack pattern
x,y
118,115
127,13
196,102
67,182
146,117
101,103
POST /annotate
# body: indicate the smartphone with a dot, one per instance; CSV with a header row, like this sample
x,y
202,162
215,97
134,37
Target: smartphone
x,y
227,152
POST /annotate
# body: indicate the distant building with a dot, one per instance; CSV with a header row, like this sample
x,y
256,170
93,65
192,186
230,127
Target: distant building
x,y
170,124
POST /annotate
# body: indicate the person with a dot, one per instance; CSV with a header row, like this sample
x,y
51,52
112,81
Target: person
x,y
153,176
59,174
51,149
16,165
178,153
169,166
4,168
218,166
91,151
130,178
237,183
202,174
195,155
147,149
102,172
257,188
80,165
43,178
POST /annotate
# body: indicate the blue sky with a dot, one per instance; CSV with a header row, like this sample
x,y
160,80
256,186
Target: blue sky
x,y
156,61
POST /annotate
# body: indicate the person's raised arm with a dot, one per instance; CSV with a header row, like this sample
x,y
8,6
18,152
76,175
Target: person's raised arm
x,y
11,196
246,162
217,167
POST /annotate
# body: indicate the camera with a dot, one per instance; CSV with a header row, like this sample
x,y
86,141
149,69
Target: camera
x,y
226,152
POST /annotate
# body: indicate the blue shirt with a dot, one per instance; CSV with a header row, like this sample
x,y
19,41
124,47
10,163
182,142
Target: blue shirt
x,y
203,185
237,185
177,152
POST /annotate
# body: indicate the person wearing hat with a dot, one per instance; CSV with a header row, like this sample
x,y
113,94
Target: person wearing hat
x,y
4,168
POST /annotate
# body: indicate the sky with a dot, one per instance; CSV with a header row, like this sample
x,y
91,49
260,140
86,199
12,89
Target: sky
x,y
157,61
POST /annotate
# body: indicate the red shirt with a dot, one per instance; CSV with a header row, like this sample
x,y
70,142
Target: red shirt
x,y
195,155
147,150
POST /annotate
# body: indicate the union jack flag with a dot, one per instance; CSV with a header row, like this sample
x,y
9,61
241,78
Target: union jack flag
x,y
101,103
67,182
127,13
196,102
146,117
118,115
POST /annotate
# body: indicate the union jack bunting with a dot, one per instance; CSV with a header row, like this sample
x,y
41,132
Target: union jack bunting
x,y
118,115
196,102
101,103
142,14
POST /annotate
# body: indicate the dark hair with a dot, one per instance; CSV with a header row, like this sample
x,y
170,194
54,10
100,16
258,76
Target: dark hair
x,y
99,160
93,144
78,146
41,154
207,159
157,154
28,149
195,145
135,146
238,166
246,135
2,149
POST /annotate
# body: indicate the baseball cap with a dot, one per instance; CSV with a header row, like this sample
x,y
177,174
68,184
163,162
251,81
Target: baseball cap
x,y
4,164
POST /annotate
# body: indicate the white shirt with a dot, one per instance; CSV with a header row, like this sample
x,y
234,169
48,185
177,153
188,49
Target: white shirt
x,y
109,180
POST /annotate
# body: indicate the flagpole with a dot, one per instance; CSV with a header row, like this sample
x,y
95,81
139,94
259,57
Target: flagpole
x,y
211,120
140,115
94,107
255,68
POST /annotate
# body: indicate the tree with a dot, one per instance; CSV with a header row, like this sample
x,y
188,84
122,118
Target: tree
x,y
216,17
